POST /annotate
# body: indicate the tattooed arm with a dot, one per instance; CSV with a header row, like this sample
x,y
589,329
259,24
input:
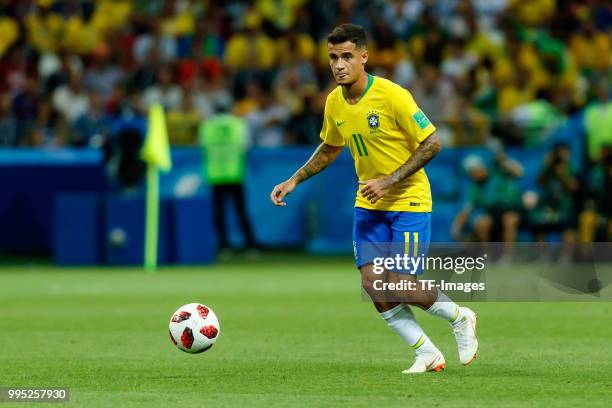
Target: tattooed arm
x,y
373,190
322,157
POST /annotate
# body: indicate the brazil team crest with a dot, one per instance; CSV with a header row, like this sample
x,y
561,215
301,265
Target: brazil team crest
x,y
373,120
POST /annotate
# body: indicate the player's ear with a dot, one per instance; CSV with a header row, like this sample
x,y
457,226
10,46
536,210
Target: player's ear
x,y
364,55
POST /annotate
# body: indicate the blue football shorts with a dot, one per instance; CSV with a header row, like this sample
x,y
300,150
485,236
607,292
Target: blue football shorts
x,y
383,234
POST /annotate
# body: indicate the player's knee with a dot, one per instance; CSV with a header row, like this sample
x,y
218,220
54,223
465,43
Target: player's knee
x,y
368,277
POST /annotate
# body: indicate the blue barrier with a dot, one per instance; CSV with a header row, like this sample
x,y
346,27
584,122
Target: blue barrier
x,y
318,216
277,226
194,235
77,229
124,231
329,213
30,179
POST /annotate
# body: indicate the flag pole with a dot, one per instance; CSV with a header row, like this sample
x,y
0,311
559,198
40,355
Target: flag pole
x,y
152,219
156,152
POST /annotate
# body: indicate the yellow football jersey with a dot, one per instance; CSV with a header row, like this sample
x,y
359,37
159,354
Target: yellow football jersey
x,y
382,130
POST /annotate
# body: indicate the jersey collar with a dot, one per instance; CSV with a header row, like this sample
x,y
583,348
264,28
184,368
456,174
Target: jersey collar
x,y
365,91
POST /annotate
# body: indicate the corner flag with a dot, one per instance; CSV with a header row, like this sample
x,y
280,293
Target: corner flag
x,y
156,152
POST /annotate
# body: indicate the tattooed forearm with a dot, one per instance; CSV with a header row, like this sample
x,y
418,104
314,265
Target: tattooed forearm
x,y
423,154
322,157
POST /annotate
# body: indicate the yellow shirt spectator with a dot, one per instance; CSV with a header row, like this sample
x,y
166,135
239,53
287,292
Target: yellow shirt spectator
x,y
111,14
510,97
281,12
44,32
9,30
533,12
78,37
250,51
303,48
183,126
386,57
179,24
592,53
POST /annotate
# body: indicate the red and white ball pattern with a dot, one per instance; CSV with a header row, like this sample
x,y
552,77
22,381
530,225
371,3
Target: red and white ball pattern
x,y
194,328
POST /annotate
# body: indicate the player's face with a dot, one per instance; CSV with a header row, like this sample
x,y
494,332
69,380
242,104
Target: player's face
x,y
346,61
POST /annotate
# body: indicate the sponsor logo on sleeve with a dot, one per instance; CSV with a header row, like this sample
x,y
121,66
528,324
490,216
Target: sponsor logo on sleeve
x,y
421,119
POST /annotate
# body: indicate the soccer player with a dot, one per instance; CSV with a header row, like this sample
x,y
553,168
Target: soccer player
x,y
391,140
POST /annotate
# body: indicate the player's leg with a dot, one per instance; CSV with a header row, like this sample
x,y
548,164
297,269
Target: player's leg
x,y
401,319
370,229
413,231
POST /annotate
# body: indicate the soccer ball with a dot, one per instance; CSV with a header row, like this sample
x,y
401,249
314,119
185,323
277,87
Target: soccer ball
x,y
194,328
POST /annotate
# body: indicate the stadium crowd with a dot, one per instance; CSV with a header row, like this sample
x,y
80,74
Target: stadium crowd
x,y
72,73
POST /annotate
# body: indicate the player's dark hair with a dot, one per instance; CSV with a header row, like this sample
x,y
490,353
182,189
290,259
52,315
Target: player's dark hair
x,y
348,32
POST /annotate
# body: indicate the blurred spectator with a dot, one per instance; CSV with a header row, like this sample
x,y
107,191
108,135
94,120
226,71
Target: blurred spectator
x,y
165,46
102,76
598,121
125,167
211,91
591,49
124,105
71,100
488,12
386,50
469,126
295,47
46,131
304,127
10,33
537,118
184,120
25,107
267,122
400,15
463,22
144,75
532,12
14,71
251,48
93,127
55,69
250,101
207,43
8,126
512,69
280,14
434,43
356,12
493,206
224,139
404,73
524,64
458,62
165,91
178,18
596,219
44,28
555,208
434,94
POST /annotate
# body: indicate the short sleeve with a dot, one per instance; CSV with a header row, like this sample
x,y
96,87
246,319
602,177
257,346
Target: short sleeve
x,y
329,132
409,116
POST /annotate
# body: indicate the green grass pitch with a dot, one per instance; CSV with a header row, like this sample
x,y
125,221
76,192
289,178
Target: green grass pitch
x,y
295,332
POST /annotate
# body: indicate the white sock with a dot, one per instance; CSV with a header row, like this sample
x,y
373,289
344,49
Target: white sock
x,y
402,320
445,308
